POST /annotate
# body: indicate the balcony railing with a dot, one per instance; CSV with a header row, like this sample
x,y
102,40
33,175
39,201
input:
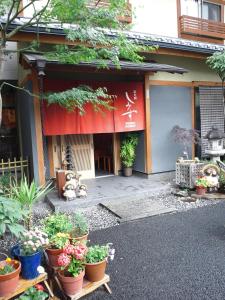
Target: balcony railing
x,y
202,27
126,18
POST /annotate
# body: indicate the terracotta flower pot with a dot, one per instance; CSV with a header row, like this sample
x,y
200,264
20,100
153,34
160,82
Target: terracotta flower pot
x,y
82,239
200,190
71,285
10,281
95,272
53,255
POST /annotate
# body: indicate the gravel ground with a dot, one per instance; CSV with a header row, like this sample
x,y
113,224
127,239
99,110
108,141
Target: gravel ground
x,y
98,217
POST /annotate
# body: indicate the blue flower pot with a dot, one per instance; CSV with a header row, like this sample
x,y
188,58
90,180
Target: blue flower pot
x,y
29,263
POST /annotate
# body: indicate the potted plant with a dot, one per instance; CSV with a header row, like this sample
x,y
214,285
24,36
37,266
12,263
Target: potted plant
x,y
72,266
80,231
27,194
29,252
34,293
127,152
9,276
201,185
58,227
96,259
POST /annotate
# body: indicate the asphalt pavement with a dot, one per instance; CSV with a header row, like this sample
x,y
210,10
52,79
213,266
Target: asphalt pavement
x,y
173,256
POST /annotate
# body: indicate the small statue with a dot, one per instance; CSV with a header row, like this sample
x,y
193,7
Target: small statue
x,y
211,172
69,191
81,191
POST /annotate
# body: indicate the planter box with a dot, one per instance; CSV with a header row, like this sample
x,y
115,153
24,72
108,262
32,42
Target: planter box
x,y
186,173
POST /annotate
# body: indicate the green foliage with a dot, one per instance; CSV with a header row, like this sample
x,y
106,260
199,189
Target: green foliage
x,y
97,253
217,63
92,36
6,269
59,240
75,267
222,179
33,294
128,148
57,223
80,225
78,97
4,183
27,194
11,215
201,182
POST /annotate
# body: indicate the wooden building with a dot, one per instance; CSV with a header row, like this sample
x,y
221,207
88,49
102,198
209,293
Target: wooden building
x,y
168,89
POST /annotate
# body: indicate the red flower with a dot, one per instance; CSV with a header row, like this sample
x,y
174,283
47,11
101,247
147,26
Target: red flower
x,y
39,287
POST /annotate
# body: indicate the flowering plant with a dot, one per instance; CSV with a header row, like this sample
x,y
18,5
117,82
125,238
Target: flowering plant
x,y
59,240
33,241
6,266
99,253
34,293
56,223
201,182
72,259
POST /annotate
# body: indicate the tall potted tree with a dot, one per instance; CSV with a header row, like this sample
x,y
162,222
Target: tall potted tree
x,y
128,152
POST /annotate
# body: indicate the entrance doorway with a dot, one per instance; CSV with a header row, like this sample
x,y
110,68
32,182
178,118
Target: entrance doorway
x,y
103,154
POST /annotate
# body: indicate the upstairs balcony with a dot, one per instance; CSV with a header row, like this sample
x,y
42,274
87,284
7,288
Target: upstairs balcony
x,y
126,18
195,28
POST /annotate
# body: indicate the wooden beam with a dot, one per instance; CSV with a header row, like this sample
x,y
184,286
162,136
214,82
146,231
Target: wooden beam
x,y
116,153
148,145
38,129
170,83
50,156
193,116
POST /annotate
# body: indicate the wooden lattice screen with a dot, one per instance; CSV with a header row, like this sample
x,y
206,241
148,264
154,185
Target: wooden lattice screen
x,y
211,110
15,169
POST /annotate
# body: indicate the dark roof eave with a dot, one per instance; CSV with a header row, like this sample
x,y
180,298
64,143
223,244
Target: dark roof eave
x,y
125,65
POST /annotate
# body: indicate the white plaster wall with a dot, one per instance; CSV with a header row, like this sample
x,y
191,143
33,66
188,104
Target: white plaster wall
x,y
9,66
155,16
28,12
198,70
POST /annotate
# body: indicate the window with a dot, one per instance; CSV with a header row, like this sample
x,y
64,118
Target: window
x,y
211,11
201,9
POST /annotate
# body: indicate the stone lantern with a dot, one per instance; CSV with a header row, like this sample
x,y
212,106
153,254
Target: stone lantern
x,y
215,143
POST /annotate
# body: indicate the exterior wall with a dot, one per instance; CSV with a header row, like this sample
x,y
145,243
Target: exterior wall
x,y
155,17
9,67
197,69
139,164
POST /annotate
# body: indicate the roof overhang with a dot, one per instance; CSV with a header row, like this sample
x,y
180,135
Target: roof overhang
x,y
173,43
145,67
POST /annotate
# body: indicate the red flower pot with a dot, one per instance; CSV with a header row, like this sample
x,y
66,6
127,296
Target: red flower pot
x,y
53,255
95,272
71,285
200,190
10,281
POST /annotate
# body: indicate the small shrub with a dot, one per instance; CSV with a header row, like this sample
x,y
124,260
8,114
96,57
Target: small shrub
x,y
57,223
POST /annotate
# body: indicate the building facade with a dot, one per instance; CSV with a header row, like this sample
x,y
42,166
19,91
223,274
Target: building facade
x,y
150,100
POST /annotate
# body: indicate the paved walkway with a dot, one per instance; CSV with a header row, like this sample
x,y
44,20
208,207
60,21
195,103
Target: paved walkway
x,y
115,188
168,257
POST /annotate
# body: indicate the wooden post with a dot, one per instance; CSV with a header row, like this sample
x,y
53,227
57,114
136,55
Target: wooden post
x,y
60,181
148,146
38,129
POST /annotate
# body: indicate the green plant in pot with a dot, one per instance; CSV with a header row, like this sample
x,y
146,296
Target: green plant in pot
x,y
72,263
96,260
222,182
9,276
58,227
128,152
201,185
29,252
80,230
34,293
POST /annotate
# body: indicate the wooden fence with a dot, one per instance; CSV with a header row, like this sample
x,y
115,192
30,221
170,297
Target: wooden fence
x,y
14,169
